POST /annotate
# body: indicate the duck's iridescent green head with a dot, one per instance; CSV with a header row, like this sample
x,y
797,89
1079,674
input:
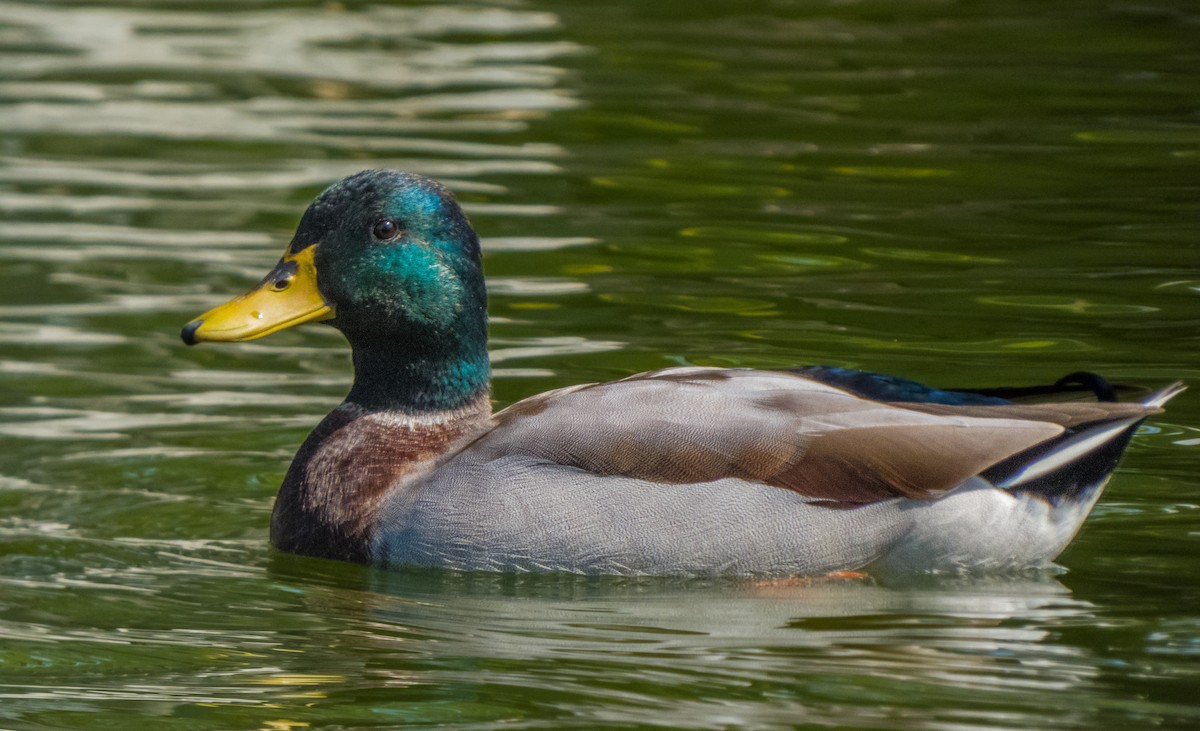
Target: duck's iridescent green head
x,y
393,251
389,259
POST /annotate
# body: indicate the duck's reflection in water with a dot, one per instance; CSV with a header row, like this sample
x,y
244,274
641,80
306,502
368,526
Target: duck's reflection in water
x,y
751,650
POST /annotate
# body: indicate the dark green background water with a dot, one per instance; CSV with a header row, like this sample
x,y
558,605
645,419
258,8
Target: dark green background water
x,y
968,193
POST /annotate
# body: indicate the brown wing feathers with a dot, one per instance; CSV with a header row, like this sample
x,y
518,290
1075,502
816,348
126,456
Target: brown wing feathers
x,y
1065,414
775,429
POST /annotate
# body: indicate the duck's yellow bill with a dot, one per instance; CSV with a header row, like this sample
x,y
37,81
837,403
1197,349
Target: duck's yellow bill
x,y
287,296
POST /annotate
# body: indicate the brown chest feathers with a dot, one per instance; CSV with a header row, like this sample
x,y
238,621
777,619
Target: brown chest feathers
x,y
347,466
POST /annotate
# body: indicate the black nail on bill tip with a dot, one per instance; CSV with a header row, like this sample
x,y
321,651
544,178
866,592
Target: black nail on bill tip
x,y
189,332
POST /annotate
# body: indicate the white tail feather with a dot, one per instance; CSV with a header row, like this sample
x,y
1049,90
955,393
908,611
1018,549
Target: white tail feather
x,y
1088,440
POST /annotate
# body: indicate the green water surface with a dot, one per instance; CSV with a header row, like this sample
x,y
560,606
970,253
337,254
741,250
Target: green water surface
x,y
965,193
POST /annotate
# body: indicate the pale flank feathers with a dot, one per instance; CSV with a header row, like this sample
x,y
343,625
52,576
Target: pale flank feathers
x,y
704,471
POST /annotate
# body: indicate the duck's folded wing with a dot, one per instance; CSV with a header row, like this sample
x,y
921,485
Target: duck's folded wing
x,y
691,425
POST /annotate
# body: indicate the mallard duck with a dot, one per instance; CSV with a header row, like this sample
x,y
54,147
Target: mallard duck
x,y
682,471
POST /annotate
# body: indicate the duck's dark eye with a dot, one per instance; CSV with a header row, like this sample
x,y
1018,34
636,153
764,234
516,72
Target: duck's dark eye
x,y
386,229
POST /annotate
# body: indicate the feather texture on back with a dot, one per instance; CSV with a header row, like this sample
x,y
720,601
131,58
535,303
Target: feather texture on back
x,y
685,425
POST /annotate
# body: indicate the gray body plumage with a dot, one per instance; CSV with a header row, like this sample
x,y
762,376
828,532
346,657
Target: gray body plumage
x,y
564,482
534,520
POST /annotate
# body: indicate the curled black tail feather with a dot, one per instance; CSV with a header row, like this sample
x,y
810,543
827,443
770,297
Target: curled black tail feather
x,y
1077,382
